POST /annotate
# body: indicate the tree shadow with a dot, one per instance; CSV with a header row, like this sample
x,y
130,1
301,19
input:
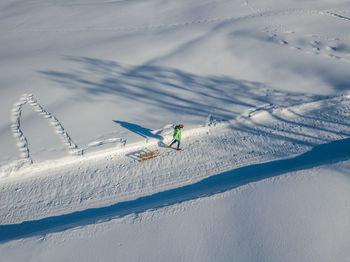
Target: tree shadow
x,y
175,93
170,89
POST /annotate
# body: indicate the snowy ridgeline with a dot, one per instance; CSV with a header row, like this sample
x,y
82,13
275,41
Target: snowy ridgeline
x,y
299,216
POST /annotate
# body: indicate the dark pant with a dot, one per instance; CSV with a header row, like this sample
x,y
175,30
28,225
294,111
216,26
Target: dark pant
x,y
178,143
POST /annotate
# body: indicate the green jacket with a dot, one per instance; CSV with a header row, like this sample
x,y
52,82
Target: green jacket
x,y
177,133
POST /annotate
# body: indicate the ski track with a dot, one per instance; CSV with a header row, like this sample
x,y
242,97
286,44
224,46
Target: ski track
x,y
259,136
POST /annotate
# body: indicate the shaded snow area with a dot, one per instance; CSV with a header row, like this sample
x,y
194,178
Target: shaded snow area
x,y
299,216
263,91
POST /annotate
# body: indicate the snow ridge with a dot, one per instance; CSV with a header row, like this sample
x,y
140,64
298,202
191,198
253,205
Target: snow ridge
x,y
22,143
331,152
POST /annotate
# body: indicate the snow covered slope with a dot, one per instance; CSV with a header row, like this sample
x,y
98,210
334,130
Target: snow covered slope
x,y
300,216
74,199
262,88
150,63
104,178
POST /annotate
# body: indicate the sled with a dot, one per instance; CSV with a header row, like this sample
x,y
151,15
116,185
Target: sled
x,y
148,155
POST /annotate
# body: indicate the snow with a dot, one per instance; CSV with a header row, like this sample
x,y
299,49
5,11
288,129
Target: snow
x,y
299,216
261,87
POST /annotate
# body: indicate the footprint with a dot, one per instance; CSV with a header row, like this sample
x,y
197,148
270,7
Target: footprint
x,y
22,144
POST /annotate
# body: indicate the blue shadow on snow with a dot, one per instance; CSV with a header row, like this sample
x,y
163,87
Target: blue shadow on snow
x,y
322,154
137,129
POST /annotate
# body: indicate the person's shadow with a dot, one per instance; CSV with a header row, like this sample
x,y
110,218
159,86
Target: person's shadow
x,y
137,129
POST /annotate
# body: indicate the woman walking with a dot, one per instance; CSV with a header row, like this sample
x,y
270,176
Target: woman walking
x,y
177,136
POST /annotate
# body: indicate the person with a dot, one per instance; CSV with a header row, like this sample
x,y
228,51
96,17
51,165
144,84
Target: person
x,y
177,136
